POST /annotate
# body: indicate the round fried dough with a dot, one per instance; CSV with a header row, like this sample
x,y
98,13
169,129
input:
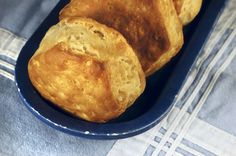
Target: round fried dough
x,y
87,69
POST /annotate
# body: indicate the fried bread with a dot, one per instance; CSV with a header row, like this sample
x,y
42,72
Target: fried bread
x,y
87,69
187,9
151,27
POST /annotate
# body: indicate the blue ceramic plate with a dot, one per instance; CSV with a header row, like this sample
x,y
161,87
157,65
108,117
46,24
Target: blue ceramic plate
x,y
151,106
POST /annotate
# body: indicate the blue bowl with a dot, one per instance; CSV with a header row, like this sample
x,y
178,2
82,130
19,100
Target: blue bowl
x,y
149,108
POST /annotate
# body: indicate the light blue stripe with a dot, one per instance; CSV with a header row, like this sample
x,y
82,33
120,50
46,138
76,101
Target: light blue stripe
x,y
174,136
201,69
162,130
157,139
183,152
161,153
197,148
208,80
149,150
6,70
7,59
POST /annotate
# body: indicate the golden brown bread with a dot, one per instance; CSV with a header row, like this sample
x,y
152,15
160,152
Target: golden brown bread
x,y
187,9
152,27
87,69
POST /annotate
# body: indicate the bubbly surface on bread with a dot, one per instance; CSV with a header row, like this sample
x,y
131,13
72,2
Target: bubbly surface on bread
x,y
151,27
187,9
87,69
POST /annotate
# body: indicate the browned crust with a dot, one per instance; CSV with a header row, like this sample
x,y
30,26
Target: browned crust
x,y
143,23
81,83
187,9
67,83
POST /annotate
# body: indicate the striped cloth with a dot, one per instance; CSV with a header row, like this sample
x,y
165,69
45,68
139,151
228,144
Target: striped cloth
x,y
10,46
201,122
184,131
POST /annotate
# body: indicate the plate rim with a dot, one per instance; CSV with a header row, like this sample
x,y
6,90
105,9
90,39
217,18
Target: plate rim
x,y
207,21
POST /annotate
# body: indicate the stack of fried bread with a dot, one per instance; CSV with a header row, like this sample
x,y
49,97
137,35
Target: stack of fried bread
x,y
93,63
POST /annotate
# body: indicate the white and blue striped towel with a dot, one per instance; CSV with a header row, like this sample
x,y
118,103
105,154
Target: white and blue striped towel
x,y
202,122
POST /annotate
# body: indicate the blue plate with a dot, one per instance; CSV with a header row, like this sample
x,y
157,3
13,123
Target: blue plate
x,y
149,108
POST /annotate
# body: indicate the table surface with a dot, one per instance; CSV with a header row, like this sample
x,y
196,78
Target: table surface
x,y
201,123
